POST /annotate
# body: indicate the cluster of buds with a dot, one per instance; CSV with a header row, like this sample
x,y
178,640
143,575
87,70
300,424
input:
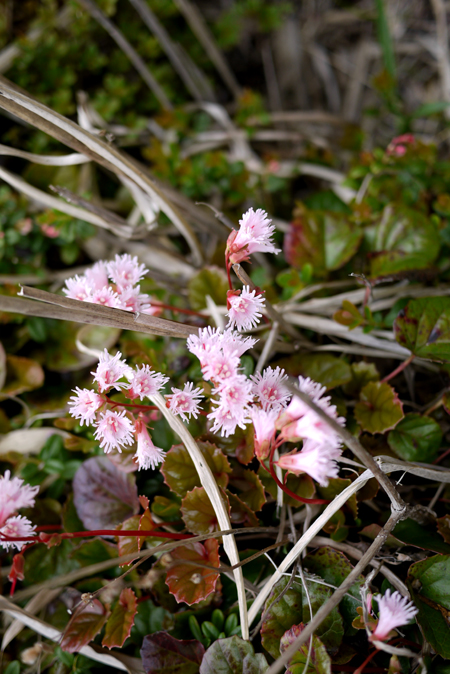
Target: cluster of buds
x,y
112,284
14,495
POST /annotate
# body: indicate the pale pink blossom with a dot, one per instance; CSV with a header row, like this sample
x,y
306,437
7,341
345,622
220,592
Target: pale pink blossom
x,y
394,611
226,421
147,454
19,527
126,271
114,431
185,402
131,299
78,288
244,309
253,236
104,296
110,370
206,340
235,394
14,495
219,366
84,405
317,461
311,426
233,343
297,407
97,275
144,382
269,388
264,427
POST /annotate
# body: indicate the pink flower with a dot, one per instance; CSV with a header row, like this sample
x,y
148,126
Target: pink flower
x,y
50,231
78,288
19,527
109,370
114,431
207,340
314,459
244,309
147,454
85,405
185,402
253,236
97,275
233,343
235,393
145,383
126,271
269,388
313,427
264,426
131,299
219,366
297,407
226,421
104,296
394,611
14,495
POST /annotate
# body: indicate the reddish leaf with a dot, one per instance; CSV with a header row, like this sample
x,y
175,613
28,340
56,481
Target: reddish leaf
x,y
104,496
163,654
197,512
319,660
131,544
191,583
240,512
121,620
83,626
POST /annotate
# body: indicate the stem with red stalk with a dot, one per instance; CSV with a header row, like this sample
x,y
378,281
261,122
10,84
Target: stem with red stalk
x,y
399,369
366,661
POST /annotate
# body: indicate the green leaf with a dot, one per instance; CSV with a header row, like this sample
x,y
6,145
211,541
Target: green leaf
x,y
319,661
429,583
416,438
84,625
412,533
302,485
430,109
188,582
232,656
198,513
404,239
42,563
362,374
322,367
423,327
385,39
121,620
325,240
209,281
281,614
91,552
334,567
240,513
22,374
379,408
336,485
163,654
180,473
249,487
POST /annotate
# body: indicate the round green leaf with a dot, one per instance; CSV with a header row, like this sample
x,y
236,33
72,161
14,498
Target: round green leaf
x,y
180,473
423,327
232,656
379,408
416,438
319,660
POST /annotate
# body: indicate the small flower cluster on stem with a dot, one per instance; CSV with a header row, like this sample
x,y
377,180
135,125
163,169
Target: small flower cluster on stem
x,y
14,495
112,284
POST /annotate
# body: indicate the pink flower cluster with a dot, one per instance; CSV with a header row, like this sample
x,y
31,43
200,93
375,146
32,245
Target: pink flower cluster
x,y
244,308
119,429
14,495
123,292
394,611
254,235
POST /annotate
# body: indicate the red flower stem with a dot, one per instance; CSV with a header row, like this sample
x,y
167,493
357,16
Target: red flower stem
x,y
51,527
228,266
103,532
442,456
136,407
366,661
286,490
399,369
